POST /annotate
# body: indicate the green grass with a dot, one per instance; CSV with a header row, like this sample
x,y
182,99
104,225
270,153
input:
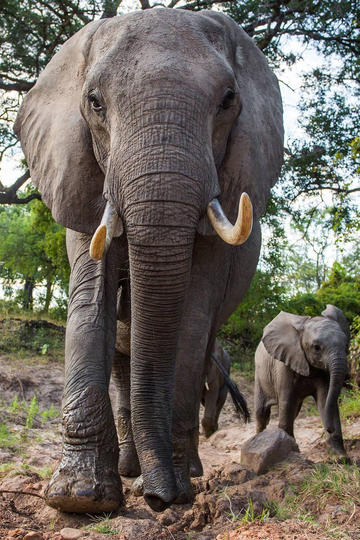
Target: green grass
x,y
103,525
8,438
327,484
350,404
246,515
14,469
250,516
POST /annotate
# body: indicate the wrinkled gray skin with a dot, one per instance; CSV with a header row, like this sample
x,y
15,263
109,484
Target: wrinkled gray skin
x,y
215,390
297,357
157,111
213,398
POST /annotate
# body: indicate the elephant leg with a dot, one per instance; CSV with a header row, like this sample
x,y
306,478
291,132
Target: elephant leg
x,y
288,409
128,458
262,408
335,440
87,479
196,468
190,377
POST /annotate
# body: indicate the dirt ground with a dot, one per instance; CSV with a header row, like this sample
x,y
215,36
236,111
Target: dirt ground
x,y
221,509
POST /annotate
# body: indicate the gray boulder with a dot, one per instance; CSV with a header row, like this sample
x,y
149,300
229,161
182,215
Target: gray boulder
x,y
267,448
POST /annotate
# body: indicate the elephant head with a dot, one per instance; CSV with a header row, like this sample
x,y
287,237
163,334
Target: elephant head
x,y
321,342
141,121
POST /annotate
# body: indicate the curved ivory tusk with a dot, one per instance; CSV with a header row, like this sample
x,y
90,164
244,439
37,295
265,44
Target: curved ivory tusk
x,y
104,233
232,234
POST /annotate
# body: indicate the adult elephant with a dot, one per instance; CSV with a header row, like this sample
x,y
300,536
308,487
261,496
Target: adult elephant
x,y
142,121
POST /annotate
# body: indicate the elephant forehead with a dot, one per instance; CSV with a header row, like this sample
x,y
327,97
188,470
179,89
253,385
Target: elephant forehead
x,y
323,329
159,31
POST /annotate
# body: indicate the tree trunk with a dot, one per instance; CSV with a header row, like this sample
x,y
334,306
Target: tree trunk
x,y
49,294
28,293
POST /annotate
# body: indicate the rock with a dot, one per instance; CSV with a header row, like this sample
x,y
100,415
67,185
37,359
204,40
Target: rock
x,y
33,535
267,448
70,534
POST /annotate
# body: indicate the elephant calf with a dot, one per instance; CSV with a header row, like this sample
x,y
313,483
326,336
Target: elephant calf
x,y
302,356
215,390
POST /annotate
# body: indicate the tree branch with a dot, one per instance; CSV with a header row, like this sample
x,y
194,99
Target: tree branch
x,y
18,492
110,9
339,191
205,3
8,195
18,86
145,4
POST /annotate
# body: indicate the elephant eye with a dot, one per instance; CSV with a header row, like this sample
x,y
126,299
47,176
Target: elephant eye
x,y
94,103
228,99
317,347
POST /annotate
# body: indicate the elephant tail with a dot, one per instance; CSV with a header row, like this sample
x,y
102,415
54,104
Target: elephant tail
x,y
238,398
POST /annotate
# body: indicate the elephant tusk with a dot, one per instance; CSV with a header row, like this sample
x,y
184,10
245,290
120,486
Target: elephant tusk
x,y
232,234
104,233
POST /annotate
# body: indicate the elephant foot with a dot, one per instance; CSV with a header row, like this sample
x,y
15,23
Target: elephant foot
x,y
184,495
71,490
196,468
336,446
185,489
209,427
87,480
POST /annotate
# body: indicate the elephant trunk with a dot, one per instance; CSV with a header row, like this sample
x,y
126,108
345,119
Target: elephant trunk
x,y
161,238
338,370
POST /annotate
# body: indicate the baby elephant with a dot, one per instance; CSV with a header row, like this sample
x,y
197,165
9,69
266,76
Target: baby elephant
x,y
215,390
217,385
298,357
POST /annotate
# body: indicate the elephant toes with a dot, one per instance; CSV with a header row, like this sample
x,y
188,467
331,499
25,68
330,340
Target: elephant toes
x,y
128,460
80,492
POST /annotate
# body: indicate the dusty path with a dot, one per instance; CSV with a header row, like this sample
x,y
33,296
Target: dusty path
x,y
222,493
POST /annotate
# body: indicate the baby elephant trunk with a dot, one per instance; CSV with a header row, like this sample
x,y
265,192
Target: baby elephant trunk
x,y
338,372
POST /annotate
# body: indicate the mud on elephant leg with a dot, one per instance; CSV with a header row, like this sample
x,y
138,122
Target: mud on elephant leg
x,y
87,479
128,458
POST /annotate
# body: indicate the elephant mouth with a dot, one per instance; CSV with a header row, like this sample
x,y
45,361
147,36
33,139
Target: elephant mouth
x,y
237,234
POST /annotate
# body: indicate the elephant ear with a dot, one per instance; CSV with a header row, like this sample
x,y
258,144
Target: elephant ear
x,y
56,140
254,153
282,340
335,314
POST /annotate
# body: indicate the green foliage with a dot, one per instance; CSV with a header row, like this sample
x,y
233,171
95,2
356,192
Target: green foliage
x,y
32,251
342,290
350,403
354,353
32,411
261,304
27,338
